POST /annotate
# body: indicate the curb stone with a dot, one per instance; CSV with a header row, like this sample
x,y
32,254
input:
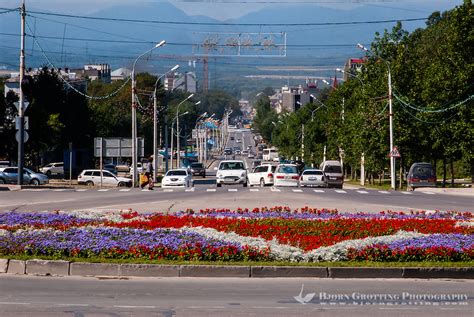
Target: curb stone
x,y
149,270
64,268
43,267
433,272
16,267
288,271
214,271
365,272
3,265
94,269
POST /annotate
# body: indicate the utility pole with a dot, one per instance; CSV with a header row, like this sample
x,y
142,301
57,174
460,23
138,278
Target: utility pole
x,y
390,114
166,143
302,142
134,129
21,110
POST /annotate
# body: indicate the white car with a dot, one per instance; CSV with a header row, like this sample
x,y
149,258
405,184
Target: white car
x,y
313,177
177,178
93,178
286,175
262,175
231,172
140,167
53,169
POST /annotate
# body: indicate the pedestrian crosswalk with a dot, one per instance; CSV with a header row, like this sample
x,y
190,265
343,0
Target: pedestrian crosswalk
x,y
234,190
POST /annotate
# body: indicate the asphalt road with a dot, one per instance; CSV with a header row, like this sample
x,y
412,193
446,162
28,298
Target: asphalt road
x,y
68,296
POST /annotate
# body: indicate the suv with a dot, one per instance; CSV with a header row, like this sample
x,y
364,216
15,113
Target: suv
x,y
93,177
53,169
421,175
198,169
231,172
262,175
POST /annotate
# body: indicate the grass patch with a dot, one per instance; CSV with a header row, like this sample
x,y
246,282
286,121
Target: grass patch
x,y
248,263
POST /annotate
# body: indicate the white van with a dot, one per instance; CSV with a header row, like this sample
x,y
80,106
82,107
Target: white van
x,y
333,172
270,155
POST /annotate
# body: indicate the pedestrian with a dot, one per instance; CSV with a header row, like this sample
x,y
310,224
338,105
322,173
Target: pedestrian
x,y
148,175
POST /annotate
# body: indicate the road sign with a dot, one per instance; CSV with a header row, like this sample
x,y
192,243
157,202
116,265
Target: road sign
x,y
394,152
26,125
25,136
25,105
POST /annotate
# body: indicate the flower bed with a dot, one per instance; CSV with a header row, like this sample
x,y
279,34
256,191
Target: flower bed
x,y
260,234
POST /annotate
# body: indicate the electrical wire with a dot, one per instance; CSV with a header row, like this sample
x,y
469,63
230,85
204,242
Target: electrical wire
x,y
419,109
223,23
71,86
424,121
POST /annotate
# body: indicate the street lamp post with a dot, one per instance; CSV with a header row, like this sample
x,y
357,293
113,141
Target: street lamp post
x,y
178,155
134,114
390,115
155,123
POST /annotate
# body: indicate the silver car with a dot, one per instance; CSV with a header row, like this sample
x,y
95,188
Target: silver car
x,y
313,177
9,175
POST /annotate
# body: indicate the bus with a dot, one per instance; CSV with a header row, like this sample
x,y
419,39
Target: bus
x,y
270,154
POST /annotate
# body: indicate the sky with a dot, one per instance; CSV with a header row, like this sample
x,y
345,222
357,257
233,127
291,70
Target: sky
x,y
229,9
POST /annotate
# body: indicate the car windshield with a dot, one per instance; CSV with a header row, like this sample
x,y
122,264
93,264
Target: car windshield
x,y
232,166
197,165
287,169
333,169
176,173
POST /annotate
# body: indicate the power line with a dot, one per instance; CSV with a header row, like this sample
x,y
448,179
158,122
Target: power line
x,y
69,84
223,23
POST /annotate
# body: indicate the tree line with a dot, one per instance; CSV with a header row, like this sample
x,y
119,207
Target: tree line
x,y
59,115
432,72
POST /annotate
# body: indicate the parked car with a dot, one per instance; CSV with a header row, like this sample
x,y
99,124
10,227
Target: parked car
x,y
92,177
177,178
313,177
231,172
251,155
239,141
140,168
262,175
111,168
286,175
227,151
421,175
5,163
198,169
333,172
53,169
9,175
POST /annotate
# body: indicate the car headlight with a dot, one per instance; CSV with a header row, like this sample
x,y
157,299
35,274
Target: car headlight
x,y
219,175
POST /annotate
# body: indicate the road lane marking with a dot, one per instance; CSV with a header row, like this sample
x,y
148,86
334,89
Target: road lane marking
x,y
35,189
81,305
211,190
189,189
168,190
233,190
81,190
59,190
254,189
103,190
125,190
340,191
406,193
13,303
384,192
274,189
297,190
127,306
318,190
362,192
428,193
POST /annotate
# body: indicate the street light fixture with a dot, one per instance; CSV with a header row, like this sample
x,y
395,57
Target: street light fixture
x,y
155,123
134,112
390,114
326,82
350,74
